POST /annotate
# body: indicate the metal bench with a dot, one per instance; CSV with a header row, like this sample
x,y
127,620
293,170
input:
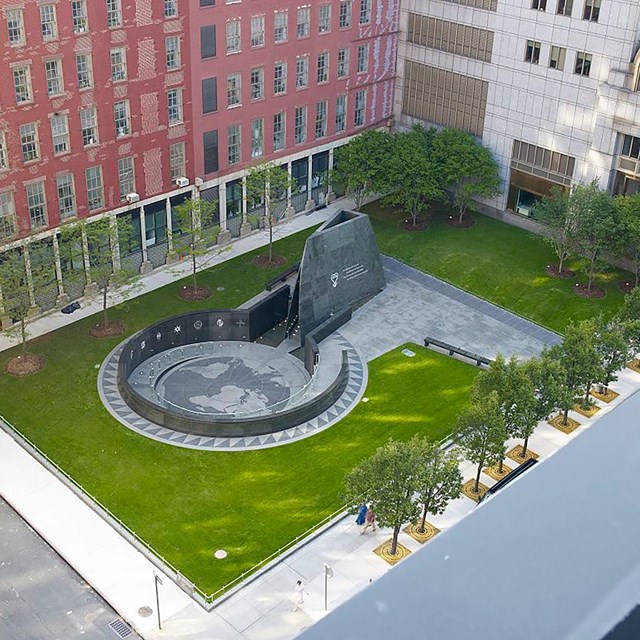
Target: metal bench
x,y
451,350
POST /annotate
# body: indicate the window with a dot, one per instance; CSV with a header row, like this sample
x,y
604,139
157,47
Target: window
x,y
170,8
532,52
323,67
114,14
300,125
234,94
540,5
122,118
564,7
60,133
233,144
207,3
233,36
15,26
363,58
53,75
7,215
84,71
209,95
79,15
95,192
257,83
66,196
302,72
279,78
118,59
324,18
37,205
22,84
257,137
89,125
176,160
126,177
174,106
29,142
210,151
365,12
591,10
341,113
556,58
583,64
208,42
303,21
345,14
48,25
361,101
321,119
257,31
172,52
343,63
631,147
280,26
278,131
4,156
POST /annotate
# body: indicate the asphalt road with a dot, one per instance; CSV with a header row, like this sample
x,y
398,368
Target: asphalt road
x,y
41,596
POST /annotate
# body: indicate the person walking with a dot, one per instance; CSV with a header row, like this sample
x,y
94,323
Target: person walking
x,y
300,593
362,513
369,520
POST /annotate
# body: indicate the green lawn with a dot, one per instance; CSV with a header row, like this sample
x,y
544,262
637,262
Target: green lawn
x,y
186,503
498,262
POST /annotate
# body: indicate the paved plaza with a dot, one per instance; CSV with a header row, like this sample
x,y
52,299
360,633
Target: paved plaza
x,y
411,307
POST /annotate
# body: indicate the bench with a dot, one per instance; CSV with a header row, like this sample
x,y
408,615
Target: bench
x,y
282,277
478,359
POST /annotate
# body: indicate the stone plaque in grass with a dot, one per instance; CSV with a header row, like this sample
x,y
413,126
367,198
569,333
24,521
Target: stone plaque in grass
x,y
25,364
263,262
189,292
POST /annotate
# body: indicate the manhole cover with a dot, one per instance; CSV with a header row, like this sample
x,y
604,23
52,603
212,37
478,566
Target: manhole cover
x,y
121,628
145,612
220,554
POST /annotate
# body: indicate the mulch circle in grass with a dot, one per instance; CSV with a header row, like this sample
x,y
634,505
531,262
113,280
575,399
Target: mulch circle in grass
x,y
594,293
189,292
420,225
112,329
467,222
263,262
626,286
25,364
554,272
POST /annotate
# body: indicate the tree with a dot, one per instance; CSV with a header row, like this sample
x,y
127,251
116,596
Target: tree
x,y
613,345
195,230
629,214
439,480
361,163
268,183
390,479
468,168
103,239
413,179
480,433
598,229
558,213
629,316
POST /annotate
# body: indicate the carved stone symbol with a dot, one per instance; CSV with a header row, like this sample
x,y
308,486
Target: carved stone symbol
x,y
158,335
143,344
240,323
220,322
177,329
197,325
334,280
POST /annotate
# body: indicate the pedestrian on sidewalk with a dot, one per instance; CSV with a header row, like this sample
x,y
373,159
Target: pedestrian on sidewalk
x,y
369,520
362,513
300,593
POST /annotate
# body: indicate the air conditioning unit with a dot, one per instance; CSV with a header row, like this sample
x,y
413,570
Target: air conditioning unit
x,y
182,182
132,197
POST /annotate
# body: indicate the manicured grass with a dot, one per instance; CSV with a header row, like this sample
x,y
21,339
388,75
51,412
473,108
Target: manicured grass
x,y
498,262
186,503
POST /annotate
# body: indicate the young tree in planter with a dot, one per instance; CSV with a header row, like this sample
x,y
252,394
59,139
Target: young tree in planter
x,y
104,238
413,179
194,233
268,183
629,213
629,316
558,213
360,164
614,347
480,433
439,479
468,168
390,478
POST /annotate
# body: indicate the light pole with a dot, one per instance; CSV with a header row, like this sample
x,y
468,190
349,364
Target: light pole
x,y
328,573
157,582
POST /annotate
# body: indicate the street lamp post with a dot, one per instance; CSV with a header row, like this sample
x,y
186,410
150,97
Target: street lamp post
x,y
328,573
158,581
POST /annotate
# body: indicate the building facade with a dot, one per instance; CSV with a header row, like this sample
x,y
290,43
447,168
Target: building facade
x,y
550,86
125,108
